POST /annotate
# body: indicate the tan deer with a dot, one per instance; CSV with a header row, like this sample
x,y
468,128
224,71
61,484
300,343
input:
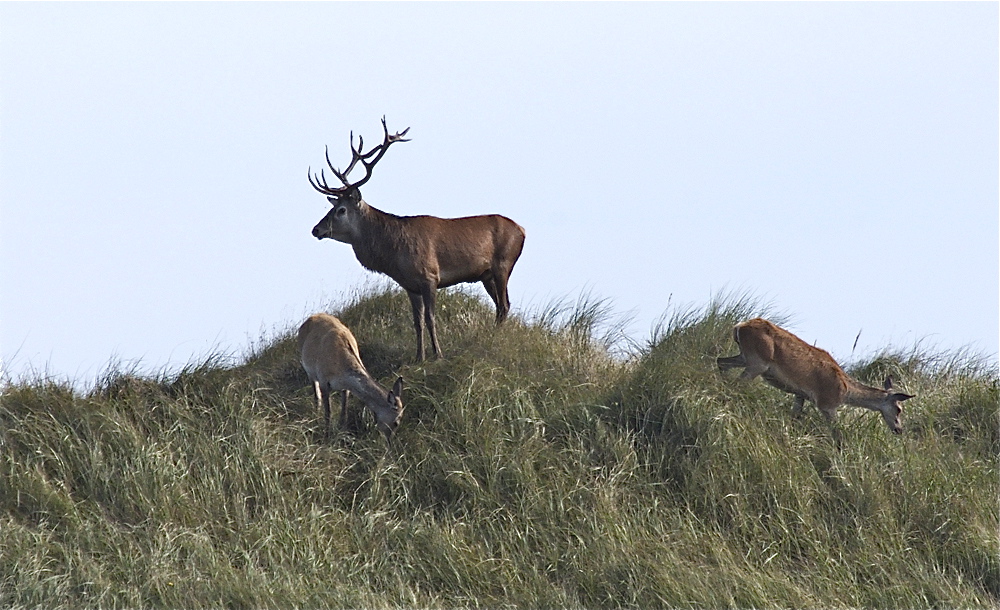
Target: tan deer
x,y
792,365
330,357
421,253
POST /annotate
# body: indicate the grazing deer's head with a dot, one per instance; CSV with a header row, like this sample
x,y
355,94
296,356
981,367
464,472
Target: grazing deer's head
x,y
891,408
341,223
388,418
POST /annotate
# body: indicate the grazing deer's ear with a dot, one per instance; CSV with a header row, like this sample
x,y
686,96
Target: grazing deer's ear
x,y
900,397
888,383
397,388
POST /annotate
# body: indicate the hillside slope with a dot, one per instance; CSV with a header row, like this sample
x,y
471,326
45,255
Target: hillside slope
x,y
532,469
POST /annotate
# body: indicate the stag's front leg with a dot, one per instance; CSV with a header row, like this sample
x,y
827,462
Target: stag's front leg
x,y
429,295
417,302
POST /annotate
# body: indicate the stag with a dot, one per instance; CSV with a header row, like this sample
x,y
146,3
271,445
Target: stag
x,y
330,356
421,253
792,365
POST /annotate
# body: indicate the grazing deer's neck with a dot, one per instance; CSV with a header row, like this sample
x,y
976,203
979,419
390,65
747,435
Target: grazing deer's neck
x,y
861,395
368,390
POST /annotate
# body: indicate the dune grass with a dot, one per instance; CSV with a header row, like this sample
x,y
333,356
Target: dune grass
x,y
535,467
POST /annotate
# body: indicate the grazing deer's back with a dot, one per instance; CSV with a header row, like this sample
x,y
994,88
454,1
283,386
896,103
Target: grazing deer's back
x,y
798,363
327,347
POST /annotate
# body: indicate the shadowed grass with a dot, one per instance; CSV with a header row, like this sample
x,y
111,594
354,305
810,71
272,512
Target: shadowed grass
x,y
535,466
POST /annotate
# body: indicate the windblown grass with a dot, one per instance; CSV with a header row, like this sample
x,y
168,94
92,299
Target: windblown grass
x,y
535,467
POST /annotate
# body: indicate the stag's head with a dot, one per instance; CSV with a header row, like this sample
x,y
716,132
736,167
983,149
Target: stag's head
x,y
341,223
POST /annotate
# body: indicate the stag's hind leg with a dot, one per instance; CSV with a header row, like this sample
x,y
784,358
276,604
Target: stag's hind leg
x,y
500,272
498,292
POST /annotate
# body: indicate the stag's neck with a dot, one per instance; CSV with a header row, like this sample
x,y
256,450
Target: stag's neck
x,y
861,395
377,243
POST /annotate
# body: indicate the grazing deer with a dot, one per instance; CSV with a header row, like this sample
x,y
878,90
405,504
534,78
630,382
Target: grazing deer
x,y
330,357
421,253
792,365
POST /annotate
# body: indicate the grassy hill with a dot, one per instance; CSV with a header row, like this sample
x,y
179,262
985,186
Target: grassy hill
x,y
532,469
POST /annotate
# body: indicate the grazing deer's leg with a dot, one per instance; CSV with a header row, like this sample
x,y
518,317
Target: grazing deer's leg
x,y
343,408
429,294
319,395
800,403
731,362
829,412
752,370
417,302
755,365
323,393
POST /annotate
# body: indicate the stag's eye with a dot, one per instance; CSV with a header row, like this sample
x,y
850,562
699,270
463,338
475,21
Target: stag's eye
x,y
341,211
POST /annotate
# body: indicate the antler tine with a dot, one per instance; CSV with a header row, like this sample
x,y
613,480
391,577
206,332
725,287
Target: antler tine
x,y
341,175
395,138
322,187
379,150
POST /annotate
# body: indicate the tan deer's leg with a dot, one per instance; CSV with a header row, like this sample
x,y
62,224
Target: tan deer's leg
x,y
829,412
800,403
323,394
731,362
344,395
754,367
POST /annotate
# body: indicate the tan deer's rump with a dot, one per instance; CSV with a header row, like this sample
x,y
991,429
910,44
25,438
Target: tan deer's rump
x,y
328,348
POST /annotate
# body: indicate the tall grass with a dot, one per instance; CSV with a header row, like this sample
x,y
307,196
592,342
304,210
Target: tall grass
x,y
536,466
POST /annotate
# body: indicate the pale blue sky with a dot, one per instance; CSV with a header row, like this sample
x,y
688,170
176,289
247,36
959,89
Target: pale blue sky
x,y
837,159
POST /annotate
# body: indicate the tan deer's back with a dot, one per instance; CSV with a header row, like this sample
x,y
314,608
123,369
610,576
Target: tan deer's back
x,y
328,348
796,363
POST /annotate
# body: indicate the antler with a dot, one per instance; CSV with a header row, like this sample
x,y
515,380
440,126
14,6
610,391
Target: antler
x,y
368,159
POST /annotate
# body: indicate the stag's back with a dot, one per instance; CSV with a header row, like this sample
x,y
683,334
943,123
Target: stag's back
x,y
328,348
